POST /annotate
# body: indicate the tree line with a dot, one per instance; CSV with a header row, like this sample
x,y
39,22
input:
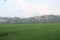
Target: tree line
x,y
35,19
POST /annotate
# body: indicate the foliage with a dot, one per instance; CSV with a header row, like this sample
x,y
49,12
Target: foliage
x,y
36,19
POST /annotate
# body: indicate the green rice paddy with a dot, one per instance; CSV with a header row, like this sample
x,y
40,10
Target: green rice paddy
x,y
43,31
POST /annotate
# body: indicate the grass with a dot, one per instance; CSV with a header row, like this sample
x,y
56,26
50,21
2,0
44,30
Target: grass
x,y
43,31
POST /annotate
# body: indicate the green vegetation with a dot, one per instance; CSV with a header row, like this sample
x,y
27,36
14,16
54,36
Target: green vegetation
x,y
48,31
30,20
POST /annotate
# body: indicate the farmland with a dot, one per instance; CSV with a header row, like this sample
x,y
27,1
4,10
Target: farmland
x,y
43,31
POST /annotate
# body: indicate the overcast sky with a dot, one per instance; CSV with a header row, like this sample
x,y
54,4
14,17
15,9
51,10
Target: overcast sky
x,y
28,8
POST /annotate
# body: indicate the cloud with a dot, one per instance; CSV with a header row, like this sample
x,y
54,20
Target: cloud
x,y
23,9
40,8
29,9
37,7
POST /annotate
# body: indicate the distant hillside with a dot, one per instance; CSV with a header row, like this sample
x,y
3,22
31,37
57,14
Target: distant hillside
x,y
36,19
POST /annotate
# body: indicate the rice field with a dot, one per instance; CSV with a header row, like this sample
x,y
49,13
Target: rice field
x,y
43,31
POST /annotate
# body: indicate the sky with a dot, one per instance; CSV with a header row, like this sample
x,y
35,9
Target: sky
x,y
28,8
